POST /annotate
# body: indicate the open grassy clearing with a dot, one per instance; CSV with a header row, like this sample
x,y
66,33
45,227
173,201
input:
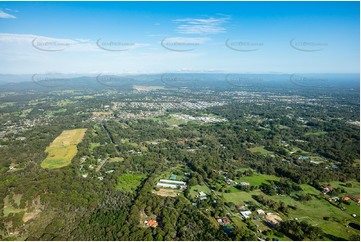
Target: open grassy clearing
x,y
257,179
241,197
155,142
143,149
261,150
124,141
100,165
116,159
25,113
133,144
64,102
194,190
239,223
9,208
30,211
169,120
314,211
354,190
54,112
63,149
129,182
179,171
178,119
84,97
299,150
6,104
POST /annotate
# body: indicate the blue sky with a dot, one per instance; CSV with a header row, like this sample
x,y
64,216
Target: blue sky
x,y
148,37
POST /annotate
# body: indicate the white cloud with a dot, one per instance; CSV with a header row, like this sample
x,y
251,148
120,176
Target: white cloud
x,y
6,15
22,42
192,70
186,40
83,57
201,25
11,10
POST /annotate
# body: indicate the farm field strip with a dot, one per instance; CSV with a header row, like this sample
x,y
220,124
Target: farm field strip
x,y
63,149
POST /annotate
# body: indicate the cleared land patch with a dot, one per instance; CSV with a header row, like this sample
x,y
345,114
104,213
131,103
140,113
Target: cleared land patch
x,y
257,179
116,159
129,182
261,150
63,149
194,190
30,211
165,192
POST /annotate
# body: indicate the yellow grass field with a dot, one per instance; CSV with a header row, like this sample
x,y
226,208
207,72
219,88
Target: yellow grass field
x,y
167,192
62,150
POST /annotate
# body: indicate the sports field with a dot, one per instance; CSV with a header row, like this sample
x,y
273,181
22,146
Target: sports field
x,y
63,149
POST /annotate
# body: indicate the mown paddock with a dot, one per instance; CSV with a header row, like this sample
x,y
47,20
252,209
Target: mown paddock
x,y
194,190
63,149
260,149
129,182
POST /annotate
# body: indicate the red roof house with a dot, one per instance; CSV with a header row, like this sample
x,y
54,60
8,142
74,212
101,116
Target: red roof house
x,y
225,220
152,223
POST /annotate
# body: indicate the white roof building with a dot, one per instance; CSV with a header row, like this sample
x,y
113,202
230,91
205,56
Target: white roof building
x,y
160,184
202,194
245,214
172,182
260,211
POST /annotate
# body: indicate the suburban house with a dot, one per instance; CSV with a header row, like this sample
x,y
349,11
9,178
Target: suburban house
x,y
222,221
241,207
246,214
244,183
326,189
151,223
260,211
202,195
225,220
